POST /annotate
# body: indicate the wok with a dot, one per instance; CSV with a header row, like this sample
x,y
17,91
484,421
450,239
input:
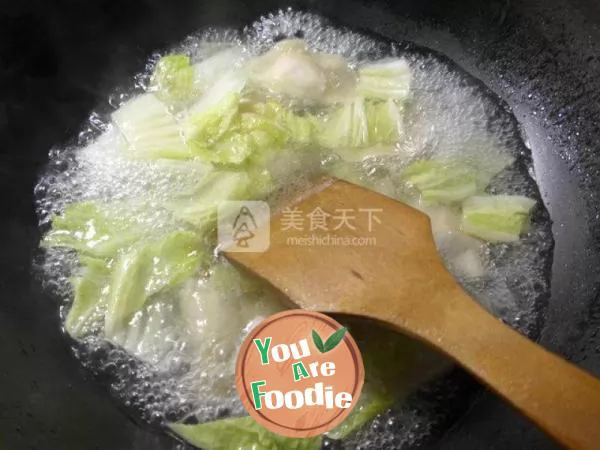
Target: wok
x,y
60,59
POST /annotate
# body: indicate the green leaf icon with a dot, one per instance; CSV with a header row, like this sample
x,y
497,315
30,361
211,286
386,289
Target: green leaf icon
x,y
318,341
331,342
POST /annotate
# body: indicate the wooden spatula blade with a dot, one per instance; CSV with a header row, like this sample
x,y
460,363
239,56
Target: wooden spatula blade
x,y
369,246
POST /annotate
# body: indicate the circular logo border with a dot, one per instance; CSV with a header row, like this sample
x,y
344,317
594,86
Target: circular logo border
x,y
285,430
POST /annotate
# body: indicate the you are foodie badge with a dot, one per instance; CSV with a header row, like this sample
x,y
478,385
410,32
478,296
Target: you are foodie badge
x,y
299,373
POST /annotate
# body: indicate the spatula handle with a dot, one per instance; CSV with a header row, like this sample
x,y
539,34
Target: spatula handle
x,y
561,398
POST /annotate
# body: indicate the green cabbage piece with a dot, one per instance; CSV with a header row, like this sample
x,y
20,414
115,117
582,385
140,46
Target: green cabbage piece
x,y
90,290
452,180
199,208
497,218
173,79
347,126
441,182
261,128
220,128
92,229
276,132
358,123
175,258
385,121
449,194
148,269
240,433
116,272
231,131
150,130
213,115
301,129
297,129
385,80
127,293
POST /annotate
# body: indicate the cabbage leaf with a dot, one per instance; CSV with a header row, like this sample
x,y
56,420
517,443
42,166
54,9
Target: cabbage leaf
x,y
150,130
387,79
173,79
496,218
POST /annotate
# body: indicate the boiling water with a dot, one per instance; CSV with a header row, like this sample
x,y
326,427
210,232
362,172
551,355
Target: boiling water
x,y
449,114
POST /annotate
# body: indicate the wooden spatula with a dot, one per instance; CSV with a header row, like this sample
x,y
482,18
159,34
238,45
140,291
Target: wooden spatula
x,y
381,262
